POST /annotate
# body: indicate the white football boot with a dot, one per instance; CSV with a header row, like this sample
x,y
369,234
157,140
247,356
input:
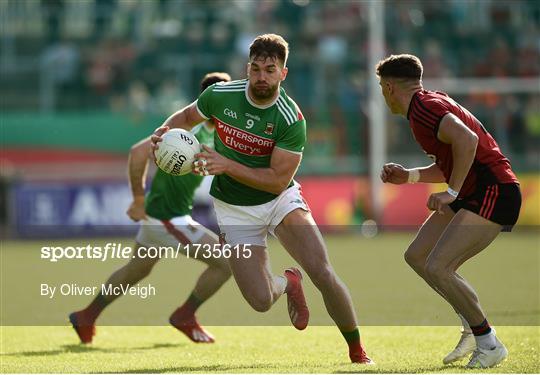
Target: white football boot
x,y
465,346
484,358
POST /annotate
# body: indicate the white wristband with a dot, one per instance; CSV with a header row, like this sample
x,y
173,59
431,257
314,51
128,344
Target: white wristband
x,y
414,176
452,192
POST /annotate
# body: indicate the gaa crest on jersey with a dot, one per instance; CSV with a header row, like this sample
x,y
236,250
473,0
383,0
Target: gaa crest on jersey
x,y
269,128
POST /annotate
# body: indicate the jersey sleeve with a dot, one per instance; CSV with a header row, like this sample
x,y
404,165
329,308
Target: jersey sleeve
x,y
204,102
426,115
434,109
294,137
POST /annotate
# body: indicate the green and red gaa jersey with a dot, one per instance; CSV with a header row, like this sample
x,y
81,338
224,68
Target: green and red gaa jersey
x,y
171,196
248,133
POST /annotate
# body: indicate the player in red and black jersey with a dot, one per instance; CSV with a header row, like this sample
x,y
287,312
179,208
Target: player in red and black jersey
x,y
483,198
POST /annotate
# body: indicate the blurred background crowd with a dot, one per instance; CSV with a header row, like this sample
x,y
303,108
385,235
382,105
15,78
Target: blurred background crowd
x,y
146,57
128,64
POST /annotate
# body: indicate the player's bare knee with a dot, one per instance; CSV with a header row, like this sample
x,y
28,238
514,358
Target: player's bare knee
x,y
221,268
139,272
226,272
260,303
141,267
409,258
436,270
414,258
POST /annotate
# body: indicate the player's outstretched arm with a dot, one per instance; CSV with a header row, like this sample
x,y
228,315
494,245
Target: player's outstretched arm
x,y
275,179
137,170
186,118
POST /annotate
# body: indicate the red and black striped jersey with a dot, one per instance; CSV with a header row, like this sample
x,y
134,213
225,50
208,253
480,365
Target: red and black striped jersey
x,y
490,166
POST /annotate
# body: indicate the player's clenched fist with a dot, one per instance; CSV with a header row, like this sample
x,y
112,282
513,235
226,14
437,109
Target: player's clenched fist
x,y
436,201
394,173
136,210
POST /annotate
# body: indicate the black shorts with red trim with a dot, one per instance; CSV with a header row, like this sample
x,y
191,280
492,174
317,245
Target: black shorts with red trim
x,y
499,203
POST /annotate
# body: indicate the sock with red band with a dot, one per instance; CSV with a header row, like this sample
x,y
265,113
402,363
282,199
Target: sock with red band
x,y
484,335
353,340
481,329
352,337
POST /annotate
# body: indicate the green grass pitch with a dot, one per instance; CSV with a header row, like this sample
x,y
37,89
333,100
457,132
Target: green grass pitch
x,y
249,350
404,325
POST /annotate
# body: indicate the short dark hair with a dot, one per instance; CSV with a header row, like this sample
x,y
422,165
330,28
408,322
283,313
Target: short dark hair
x,y
400,66
269,45
214,77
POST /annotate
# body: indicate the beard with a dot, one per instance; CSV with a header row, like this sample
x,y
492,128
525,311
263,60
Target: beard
x,y
262,92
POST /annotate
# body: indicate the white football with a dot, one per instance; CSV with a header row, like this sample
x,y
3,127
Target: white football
x,y
176,152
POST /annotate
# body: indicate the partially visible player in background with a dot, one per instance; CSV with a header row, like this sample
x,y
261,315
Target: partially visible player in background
x,y
165,215
483,198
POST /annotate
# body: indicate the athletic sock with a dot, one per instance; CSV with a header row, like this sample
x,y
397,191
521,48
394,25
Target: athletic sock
x,y
465,324
353,340
190,306
281,283
484,335
95,307
481,329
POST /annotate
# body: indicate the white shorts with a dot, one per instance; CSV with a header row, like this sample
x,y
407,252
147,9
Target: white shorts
x,y
242,225
182,229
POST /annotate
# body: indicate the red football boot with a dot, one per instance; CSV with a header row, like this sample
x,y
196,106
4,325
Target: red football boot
x,y
296,302
84,327
357,354
189,326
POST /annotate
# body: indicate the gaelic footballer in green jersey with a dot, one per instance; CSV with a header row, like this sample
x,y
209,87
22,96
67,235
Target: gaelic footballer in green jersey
x,y
165,215
248,133
172,196
259,139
